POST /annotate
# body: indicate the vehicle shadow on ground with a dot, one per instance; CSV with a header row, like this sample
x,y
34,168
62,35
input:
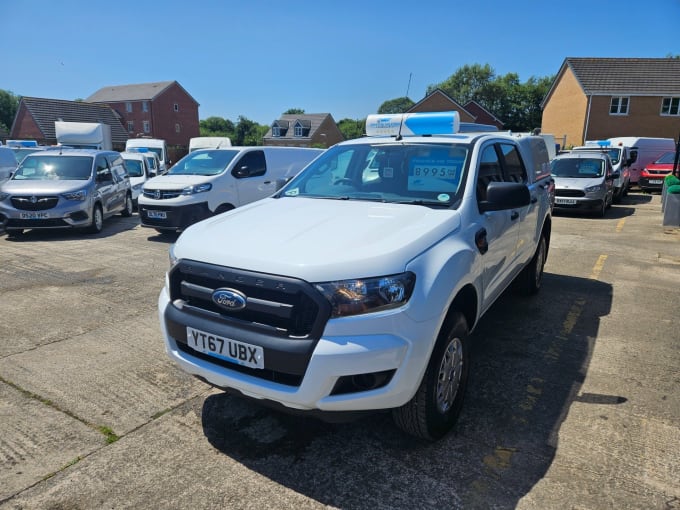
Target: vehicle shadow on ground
x,y
530,357
112,226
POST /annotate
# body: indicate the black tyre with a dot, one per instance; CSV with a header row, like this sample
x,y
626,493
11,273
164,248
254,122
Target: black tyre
x,y
129,207
530,279
97,222
603,209
435,407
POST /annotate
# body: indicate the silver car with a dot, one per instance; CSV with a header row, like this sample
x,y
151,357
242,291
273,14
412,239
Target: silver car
x,y
583,181
65,188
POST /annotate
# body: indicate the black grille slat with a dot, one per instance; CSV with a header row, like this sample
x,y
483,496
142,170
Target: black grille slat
x,y
291,307
569,193
34,203
159,194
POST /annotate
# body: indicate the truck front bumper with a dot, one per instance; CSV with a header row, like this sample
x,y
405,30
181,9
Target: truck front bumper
x,y
380,368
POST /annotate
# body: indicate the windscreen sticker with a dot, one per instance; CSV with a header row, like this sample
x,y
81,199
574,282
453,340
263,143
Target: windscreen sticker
x,y
434,174
293,192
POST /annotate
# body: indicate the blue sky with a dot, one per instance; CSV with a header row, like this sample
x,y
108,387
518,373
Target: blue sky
x,y
259,58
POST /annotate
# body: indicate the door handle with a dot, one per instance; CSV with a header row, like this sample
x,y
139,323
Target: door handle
x,y
514,215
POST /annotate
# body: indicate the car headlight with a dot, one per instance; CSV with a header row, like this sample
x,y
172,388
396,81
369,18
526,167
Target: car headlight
x,y
367,295
4,196
593,189
79,195
137,187
198,188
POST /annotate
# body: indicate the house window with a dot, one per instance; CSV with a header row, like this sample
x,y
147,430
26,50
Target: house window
x,y
298,130
145,106
276,131
176,107
147,128
131,126
619,106
178,128
670,106
128,106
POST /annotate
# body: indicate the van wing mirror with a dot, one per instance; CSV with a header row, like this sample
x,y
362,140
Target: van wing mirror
x,y
242,171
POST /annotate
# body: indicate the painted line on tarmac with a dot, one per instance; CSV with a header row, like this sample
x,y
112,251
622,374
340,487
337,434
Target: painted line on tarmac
x,y
500,460
597,268
619,225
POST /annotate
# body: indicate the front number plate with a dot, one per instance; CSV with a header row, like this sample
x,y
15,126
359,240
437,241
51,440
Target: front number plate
x,y
655,181
565,201
34,215
225,348
157,215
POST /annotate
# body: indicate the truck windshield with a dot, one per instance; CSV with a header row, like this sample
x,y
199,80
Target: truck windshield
x,y
61,168
203,162
417,173
614,153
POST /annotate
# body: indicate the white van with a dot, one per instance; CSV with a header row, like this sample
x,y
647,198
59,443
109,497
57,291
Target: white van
x,y
138,171
152,144
643,151
209,142
621,159
210,181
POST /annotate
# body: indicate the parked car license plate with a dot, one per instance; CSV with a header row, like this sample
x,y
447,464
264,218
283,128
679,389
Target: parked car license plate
x,y
234,351
157,215
34,215
655,181
565,201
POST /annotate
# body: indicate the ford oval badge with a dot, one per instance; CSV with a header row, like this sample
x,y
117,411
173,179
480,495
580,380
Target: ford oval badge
x,y
229,299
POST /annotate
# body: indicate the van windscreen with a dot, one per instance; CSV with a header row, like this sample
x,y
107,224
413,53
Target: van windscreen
x,y
203,162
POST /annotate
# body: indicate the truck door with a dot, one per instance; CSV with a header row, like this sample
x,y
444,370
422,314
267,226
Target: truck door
x,y
252,181
500,230
514,170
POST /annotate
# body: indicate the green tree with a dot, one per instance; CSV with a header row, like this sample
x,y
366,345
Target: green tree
x,y
397,105
294,111
516,104
9,104
351,128
216,126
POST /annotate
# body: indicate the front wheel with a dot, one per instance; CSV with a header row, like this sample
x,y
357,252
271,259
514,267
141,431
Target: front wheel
x,y
97,220
435,407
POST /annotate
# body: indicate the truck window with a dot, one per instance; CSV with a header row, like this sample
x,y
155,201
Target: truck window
x,y
489,171
514,167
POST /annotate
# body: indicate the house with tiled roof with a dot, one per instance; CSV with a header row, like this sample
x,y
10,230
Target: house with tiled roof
x,y
472,111
303,130
598,98
154,110
35,119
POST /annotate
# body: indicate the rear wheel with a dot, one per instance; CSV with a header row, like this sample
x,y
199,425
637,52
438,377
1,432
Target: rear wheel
x,y
531,277
435,407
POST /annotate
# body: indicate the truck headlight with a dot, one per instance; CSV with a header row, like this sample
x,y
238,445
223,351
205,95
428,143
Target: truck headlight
x,y
79,195
367,295
172,258
198,188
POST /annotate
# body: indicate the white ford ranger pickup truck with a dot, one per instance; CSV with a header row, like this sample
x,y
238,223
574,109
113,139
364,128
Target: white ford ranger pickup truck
x,y
356,286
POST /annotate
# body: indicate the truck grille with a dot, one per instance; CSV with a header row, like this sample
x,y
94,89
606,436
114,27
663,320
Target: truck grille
x,y
34,203
162,194
276,305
